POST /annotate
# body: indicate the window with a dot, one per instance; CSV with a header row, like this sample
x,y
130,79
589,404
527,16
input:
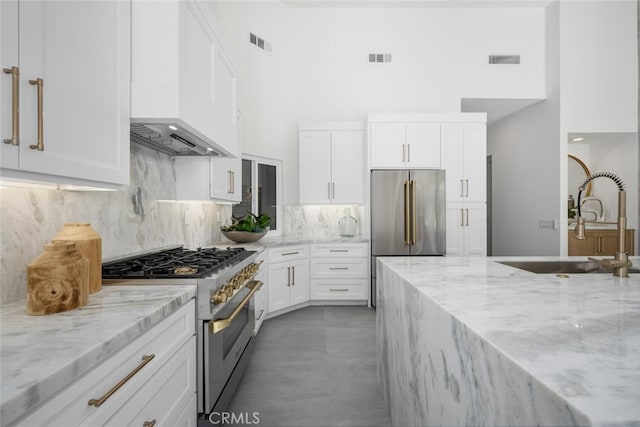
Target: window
x,y
265,176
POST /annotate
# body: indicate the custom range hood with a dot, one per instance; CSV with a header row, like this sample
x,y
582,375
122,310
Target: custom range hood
x,y
173,139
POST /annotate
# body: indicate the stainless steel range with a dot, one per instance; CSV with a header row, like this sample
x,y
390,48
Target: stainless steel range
x,y
224,313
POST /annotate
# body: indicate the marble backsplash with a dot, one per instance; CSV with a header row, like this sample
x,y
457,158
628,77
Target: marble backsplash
x,y
140,218
129,221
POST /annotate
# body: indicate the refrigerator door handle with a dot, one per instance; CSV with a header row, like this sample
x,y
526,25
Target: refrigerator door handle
x,y
414,211
407,212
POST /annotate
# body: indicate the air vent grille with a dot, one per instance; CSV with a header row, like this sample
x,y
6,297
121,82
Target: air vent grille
x,y
259,42
504,59
379,57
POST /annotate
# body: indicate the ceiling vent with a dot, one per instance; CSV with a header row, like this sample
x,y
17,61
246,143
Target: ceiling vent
x,y
259,42
379,57
504,59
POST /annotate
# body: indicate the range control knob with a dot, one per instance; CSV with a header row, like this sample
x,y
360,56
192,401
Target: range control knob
x,y
228,289
218,298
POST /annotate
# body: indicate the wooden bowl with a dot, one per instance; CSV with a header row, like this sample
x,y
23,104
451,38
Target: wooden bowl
x,y
244,236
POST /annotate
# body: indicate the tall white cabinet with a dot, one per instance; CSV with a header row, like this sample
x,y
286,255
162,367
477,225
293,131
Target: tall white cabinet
x,y
66,120
332,162
464,152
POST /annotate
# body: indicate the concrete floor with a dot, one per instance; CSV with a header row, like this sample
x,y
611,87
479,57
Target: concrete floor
x,y
314,367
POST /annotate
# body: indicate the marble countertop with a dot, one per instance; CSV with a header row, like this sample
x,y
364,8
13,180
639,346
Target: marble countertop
x,y
579,336
39,355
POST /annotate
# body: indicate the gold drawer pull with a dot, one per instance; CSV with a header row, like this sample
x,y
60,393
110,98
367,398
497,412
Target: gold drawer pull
x,y
338,268
339,289
39,83
99,402
290,253
338,250
149,423
15,107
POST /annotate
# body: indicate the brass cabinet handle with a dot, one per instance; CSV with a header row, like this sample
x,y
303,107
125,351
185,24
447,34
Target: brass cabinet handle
x,y
338,250
98,402
414,211
15,105
338,268
218,325
149,423
407,217
404,159
329,190
466,194
40,145
293,276
333,190
290,253
408,153
467,222
229,182
461,217
288,276
461,188
339,289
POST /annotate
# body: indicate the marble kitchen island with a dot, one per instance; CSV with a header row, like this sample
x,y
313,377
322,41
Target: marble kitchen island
x,y
469,341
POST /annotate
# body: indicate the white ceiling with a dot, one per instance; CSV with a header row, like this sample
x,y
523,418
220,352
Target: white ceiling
x,y
416,3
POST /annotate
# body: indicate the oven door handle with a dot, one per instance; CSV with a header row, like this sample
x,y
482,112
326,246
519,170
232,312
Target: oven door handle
x,y
218,325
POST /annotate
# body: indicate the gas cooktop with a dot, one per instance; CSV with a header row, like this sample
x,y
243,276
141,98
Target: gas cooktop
x,y
174,263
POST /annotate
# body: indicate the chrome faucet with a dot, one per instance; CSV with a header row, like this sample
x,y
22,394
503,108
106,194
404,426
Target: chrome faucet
x,y
620,262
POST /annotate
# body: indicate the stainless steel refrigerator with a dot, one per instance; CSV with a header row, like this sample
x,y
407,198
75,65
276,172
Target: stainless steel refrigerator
x,y
407,215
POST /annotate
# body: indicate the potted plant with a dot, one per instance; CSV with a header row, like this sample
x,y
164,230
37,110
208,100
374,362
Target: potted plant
x,y
250,228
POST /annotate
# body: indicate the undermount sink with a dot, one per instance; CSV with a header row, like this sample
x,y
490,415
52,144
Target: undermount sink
x,y
556,267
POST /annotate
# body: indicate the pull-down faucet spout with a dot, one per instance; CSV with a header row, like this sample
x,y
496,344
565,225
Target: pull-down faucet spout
x,y
620,262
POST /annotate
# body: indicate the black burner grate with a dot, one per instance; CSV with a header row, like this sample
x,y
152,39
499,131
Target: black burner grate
x,y
174,263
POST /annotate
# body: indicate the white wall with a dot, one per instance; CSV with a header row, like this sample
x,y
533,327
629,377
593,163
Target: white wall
x,y
585,95
525,150
319,68
599,72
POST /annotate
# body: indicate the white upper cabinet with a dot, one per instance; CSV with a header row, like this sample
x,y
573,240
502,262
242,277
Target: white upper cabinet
x,y
332,162
400,145
72,90
464,152
182,74
208,178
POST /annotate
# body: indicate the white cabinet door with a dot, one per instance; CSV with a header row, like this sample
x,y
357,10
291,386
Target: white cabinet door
x,y
475,162
279,284
9,58
387,145
226,179
315,167
466,229
452,161
347,167
475,237
299,289
455,229
74,90
464,152
423,145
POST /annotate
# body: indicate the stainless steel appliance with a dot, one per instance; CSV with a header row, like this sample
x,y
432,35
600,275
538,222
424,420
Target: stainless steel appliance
x,y
224,314
407,215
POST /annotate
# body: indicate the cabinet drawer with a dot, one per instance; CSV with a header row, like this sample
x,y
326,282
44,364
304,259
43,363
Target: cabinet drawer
x,y
343,289
334,267
165,395
339,250
287,253
70,406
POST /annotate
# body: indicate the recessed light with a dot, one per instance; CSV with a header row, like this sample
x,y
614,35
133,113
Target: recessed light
x,y
577,139
172,127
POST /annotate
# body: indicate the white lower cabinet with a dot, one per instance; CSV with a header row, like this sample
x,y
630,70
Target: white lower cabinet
x,y
152,380
339,271
288,276
467,229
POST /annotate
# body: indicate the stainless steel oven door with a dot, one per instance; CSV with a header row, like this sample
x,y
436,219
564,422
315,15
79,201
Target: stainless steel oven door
x,y
225,339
